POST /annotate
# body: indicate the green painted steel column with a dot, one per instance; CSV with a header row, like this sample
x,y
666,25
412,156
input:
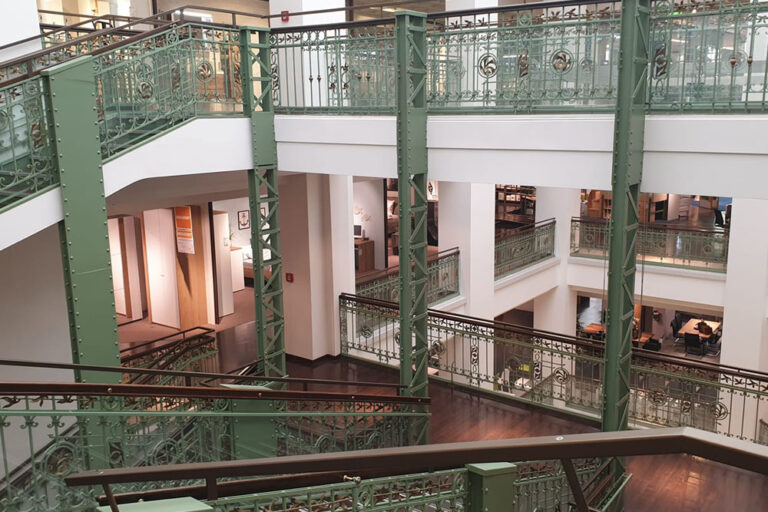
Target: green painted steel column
x,y
627,173
410,41
83,232
256,78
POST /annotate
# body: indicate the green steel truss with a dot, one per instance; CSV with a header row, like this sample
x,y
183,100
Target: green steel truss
x,y
83,232
627,172
264,199
410,38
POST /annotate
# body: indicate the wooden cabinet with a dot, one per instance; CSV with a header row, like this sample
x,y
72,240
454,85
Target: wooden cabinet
x,y
364,255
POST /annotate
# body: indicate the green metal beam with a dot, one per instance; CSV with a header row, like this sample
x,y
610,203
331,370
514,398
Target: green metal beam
x,y
83,232
256,79
411,65
627,173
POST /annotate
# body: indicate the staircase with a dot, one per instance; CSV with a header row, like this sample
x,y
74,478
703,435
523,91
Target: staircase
x,y
50,430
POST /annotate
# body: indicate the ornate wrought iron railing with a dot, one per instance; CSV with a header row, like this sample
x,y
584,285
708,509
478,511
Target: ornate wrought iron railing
x,y
48,431
663,244
346,68
27,151
540,486
149,86
461,476
191,350
548,57
522,247
562,372
709,56
443,283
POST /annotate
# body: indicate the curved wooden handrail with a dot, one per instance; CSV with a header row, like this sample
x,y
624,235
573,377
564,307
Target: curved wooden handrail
x,y
242,379
414,459
73,389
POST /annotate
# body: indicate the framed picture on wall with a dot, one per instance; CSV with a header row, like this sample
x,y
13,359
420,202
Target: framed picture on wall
x,y
244,219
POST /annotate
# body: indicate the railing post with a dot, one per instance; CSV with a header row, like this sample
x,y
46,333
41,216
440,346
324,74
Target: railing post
x,y
83,232
627,172
256,78
411,66
492,486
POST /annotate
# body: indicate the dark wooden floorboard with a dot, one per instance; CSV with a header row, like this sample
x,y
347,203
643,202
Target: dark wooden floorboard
x,y
678,483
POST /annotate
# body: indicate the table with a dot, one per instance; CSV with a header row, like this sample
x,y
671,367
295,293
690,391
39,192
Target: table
x,y
644,338
594,329
690,327
364,255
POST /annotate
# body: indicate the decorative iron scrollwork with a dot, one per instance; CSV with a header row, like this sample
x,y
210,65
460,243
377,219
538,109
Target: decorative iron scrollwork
x,y
660,61
175,77
204,71
145,89
562,61
487,65
522,64
719,411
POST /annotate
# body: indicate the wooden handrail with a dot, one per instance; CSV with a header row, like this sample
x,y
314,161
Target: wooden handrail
x,y
447,253
139,390
202,375
435,457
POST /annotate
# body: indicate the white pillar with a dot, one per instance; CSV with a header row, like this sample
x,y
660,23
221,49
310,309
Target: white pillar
x,y
18,20
466,220
556,310
294,6
745,316
316,235
342,249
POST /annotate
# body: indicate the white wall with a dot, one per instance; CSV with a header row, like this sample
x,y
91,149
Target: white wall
x,y
309,224
745,319
222,248
160,240
369,211
556,310
240,237
33,308
466,221
294,6
116,258
18,20
693,290
135,260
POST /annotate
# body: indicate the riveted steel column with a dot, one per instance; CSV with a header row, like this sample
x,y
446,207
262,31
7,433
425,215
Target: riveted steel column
x,y
83,232
256,78
410,40
627,173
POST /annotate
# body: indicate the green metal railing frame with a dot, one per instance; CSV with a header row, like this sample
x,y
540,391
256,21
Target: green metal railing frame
x,y
562,373
443,280
666,245
70,427
522,247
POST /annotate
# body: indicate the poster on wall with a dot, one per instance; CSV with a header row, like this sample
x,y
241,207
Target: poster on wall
x,y
185,242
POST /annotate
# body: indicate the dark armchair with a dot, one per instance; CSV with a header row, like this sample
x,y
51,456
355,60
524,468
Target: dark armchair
x,y
694,345
676,324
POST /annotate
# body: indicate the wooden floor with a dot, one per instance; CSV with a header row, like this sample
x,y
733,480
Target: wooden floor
x,y
678,483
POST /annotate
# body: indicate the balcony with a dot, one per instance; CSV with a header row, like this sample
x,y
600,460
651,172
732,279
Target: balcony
x,y
519,248
564,373
516,59
442,281
664,245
